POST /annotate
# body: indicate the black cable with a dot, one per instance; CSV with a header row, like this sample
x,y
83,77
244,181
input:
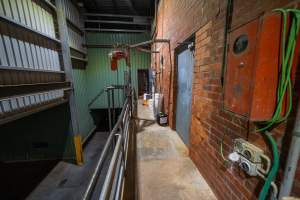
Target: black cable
x,y
227,27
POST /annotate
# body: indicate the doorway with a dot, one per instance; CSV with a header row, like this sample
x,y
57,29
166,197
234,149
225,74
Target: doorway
x,y
185,68
143,81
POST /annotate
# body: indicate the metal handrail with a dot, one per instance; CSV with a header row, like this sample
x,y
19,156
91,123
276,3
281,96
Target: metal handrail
x,y
112,186
111,173
118,137
101,92
96,97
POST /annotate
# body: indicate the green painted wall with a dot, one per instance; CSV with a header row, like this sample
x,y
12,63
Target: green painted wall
x,y
46,135
99,74
81,92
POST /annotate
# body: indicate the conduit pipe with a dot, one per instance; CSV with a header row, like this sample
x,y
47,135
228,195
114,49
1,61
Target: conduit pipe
x,y
228,18
292,160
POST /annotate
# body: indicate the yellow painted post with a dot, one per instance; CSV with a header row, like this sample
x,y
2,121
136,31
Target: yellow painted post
x,y
78,149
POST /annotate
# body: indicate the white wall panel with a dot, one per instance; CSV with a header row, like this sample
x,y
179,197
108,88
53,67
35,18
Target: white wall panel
x,y
20,102
29,13
19,53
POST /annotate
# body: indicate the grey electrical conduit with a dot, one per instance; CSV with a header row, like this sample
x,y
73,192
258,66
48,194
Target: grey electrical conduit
x,y
292,160
274,186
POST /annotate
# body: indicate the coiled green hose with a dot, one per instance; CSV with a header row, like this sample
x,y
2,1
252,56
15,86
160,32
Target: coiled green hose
x,y
284,86
285,82
272,174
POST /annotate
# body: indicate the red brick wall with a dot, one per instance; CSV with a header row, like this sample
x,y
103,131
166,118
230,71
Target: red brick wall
x,y
177,21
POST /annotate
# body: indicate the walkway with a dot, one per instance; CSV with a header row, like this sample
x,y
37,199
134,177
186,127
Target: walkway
x,y
69,181
165,172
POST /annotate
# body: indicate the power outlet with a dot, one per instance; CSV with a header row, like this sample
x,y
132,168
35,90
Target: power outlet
x,y
248,150
249,167
251,156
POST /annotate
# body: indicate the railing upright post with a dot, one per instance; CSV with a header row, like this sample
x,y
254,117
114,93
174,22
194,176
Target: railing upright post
x,y
113,106
119,140
109,109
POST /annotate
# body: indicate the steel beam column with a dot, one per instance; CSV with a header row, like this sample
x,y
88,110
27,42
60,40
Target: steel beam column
x,y
66,55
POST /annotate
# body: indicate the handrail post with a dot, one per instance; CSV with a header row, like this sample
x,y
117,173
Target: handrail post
x,y
109,111
118,140
113,106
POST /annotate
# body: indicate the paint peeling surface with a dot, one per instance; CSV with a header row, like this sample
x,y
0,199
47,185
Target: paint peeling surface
x,y
165,170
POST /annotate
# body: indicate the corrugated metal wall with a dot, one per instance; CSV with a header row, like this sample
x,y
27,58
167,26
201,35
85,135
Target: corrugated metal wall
x,y
99,74
30,54
17,52
75,27
30,14
81,94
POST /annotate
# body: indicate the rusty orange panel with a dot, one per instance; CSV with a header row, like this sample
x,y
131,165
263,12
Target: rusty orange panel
x,y
239,70
252,75
265,77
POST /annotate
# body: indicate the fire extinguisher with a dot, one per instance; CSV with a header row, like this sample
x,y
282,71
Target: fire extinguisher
x,y
118,55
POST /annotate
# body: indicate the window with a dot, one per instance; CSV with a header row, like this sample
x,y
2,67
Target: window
x,y
240,44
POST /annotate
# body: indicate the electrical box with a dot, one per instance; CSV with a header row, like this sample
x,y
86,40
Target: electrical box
x,y
252,158
252,69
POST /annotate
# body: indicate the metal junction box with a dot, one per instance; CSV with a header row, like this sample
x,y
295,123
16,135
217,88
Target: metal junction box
x,y
253,64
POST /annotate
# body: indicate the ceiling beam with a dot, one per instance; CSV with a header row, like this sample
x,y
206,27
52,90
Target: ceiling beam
x,y
116,15
150,42
116,9
115,30
115,22
130,5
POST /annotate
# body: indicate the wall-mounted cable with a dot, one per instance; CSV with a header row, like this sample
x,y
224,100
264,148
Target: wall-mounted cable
x,y
284,89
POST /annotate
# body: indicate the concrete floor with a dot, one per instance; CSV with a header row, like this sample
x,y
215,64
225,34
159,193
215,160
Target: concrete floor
x,y
165,170
69,181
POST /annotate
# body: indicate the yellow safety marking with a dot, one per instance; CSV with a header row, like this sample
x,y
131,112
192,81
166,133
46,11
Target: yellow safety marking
x,y
78,149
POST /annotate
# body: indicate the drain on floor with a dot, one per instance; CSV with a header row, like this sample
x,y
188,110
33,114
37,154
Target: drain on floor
x,y
62,182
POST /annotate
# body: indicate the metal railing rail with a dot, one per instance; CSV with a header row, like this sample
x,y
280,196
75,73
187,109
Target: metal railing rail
x,y
118,139
96,97
101,92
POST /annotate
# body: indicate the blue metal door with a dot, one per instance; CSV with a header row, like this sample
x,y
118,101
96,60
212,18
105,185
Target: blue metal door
x,y
184,94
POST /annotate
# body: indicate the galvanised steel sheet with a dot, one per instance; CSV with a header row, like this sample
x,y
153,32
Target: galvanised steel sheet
x,y
15,103
184,94
18,50
20,53
72,13
29,13
44,135
76,40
